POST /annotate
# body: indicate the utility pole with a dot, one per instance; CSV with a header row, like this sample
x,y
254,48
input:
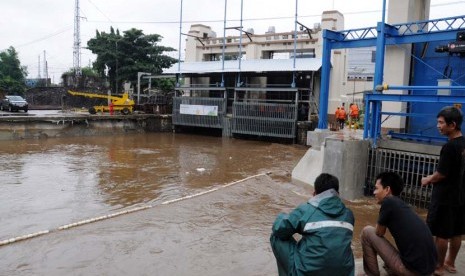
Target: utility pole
x,y
77,42
45,69
38,71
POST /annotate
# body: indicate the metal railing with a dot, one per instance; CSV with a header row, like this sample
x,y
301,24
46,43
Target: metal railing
x,y
264,119
199,120
411,166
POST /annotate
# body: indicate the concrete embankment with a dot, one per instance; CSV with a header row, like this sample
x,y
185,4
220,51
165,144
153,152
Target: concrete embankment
x,y
68,125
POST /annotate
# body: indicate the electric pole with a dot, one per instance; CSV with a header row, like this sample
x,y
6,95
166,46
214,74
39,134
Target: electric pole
x,y
45,69
38,71
77,42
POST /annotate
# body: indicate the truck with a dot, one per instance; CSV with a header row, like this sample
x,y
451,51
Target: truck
x,y
123,104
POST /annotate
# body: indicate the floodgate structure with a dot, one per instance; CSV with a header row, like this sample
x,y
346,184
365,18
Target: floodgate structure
x,y
236,83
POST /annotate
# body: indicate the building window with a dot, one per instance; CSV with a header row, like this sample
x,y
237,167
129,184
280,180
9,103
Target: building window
x,y
373,56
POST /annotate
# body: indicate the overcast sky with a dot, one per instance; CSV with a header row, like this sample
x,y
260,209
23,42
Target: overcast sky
x,y
33,26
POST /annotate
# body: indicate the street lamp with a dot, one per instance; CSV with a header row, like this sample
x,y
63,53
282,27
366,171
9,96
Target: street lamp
x,y
358,71
139,75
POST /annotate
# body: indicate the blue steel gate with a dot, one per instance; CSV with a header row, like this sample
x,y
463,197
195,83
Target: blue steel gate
x,y
411,166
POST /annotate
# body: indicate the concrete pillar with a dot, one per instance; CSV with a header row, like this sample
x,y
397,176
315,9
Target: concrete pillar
x,y
397,58
347,160
343,154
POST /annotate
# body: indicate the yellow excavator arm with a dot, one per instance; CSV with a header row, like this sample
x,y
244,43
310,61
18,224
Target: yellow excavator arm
x,y
123,103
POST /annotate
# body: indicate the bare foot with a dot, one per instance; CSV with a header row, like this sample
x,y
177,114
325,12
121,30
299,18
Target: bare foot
x,y
439,271
450,268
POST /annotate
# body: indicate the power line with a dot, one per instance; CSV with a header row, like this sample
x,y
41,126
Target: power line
x,y
45,37
97,8
254,19
204,21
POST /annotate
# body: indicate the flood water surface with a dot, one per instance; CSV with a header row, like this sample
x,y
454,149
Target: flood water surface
x,y
47,183
53,182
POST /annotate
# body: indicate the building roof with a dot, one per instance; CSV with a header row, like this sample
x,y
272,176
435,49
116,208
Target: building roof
x,y
255,65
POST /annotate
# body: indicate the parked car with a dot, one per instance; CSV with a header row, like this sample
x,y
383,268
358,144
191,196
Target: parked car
x,y
13,103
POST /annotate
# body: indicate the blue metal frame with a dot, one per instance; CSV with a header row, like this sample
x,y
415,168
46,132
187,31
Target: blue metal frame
x,y
412,32
417,137
373,98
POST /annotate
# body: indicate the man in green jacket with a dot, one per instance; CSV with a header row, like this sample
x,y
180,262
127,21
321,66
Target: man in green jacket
x,y
326,226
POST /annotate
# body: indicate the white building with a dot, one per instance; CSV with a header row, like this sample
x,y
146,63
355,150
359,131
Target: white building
x,y
264,60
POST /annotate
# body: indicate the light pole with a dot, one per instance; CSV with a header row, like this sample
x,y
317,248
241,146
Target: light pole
x,y
353,93
139,75
358,72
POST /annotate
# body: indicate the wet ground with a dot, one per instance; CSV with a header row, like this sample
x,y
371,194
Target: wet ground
x,y
49,183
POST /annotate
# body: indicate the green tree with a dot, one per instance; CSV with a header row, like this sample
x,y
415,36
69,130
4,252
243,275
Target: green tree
x,y
12,74
166,84
125,55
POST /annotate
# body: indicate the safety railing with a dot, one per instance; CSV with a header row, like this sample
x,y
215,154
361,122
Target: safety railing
x,y
411,166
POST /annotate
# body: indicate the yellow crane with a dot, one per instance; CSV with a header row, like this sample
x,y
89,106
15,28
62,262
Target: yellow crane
x,y
123,104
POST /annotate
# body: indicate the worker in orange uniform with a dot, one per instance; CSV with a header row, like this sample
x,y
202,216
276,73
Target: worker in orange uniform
x,y
353,112
341,117
111,108
353,115
336,116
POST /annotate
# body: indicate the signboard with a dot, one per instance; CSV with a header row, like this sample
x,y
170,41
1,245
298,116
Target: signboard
x,y
202,110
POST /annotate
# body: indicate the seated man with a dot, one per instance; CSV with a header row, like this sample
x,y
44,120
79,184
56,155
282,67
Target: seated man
x,y
416,251
326,226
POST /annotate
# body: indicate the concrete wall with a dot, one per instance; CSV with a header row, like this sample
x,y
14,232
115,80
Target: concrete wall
x,y
347,160
14,128
342,154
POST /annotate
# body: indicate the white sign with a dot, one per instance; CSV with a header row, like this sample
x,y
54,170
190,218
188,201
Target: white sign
x,y
203,110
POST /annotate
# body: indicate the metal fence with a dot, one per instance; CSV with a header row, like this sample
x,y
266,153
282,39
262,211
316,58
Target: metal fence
x,y
199,120
411,166
264,119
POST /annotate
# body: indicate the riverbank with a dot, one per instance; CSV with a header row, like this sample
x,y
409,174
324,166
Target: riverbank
x,y
54,124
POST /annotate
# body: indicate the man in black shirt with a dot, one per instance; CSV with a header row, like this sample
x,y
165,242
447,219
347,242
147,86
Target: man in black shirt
x,y
416,251
445,214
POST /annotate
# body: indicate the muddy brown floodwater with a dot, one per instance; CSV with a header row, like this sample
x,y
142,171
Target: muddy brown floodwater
x,y
45,184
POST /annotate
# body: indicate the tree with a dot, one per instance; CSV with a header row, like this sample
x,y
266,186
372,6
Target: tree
x,y
124,56
166,84
12,74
